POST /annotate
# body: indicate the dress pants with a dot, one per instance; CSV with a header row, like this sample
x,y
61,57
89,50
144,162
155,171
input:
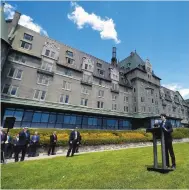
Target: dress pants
x,y
20,148
72,147
51,148
169,150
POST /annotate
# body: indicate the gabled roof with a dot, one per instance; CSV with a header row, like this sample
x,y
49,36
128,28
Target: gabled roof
x,y
4,29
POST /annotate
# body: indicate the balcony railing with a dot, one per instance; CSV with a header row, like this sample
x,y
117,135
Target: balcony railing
x,y
42,71
86,82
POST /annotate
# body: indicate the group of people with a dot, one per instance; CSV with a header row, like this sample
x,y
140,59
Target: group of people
x,y
74,143
20,143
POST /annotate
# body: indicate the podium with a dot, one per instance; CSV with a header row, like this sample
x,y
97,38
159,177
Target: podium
x,y
158,133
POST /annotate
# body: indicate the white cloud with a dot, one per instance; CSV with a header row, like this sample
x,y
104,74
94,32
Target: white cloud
x,y
177,87
25,20
106,27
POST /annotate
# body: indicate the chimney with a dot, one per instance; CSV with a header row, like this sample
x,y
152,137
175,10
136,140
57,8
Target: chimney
x,y
14,24
114,59
16,18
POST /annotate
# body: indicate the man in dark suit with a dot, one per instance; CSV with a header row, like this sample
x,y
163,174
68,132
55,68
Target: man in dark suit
x,y
3,139
73,141
167,129
33,144
78,144
22,145
53,141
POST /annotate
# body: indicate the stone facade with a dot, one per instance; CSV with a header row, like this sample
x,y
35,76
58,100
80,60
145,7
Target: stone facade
x,y
42,74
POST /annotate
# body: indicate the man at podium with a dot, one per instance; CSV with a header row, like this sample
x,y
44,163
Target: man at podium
x,y
167,129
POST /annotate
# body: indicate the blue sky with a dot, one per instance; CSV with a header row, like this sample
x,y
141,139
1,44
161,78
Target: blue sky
x,y
157,30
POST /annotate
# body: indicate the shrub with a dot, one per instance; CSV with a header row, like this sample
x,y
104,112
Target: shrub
x,y
101,137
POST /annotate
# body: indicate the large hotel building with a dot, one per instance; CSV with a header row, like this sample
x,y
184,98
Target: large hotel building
x,y
47,84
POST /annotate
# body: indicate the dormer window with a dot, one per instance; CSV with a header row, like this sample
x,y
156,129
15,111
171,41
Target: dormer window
x,y
26,45
52,54
86,66
99,65
28,37
47,52
69,53
100,72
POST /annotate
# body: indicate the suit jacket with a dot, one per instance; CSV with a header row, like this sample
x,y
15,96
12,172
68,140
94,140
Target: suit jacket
x,y
168,131
35,138
22,139
72,136
3,139
53,138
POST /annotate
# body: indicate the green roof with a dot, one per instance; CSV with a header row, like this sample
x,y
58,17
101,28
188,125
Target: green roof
x,y
133,60
4,29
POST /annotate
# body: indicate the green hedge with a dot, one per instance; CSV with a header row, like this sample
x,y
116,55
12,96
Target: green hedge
x,y
101,137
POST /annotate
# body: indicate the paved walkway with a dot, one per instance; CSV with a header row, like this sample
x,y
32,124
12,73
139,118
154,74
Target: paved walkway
x,y
101,148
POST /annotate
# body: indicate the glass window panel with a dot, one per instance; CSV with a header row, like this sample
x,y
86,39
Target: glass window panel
x,y
67,119
45,117
78,121
11,72
28,116
90,121
43,125
6,89
28,124
13,90
52,118
72,119
19,74
17,124
67,99
94,121
47,52
43,93
85,121
36,95
60,118
36,117
18,115
8,113
51,125
35,125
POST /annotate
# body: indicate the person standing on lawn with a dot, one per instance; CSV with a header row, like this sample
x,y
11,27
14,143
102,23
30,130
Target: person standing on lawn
x,y
167,129
73,142
53,141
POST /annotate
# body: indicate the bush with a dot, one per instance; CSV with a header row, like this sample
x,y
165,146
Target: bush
x,y
101,137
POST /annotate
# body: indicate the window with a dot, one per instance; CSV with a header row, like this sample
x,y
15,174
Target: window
x,y
39,95
52,54
126,99
149,109
47,52
115,86
114,106
84,90
142,99
13,90
47,66
86,66
174,109
126,109
69,53
125,89
69,60
135,109
99,65
15,73
26,45
134,90
64,98
100,93
114,97
100,104
18,58
43,79
134,99
11,72
84,102
152,92
143,108
66,85
152,100
100,82
100,72
28,37
6,89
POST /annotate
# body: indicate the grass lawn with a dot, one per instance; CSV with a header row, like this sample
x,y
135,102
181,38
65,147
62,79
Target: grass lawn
x,y
103,170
